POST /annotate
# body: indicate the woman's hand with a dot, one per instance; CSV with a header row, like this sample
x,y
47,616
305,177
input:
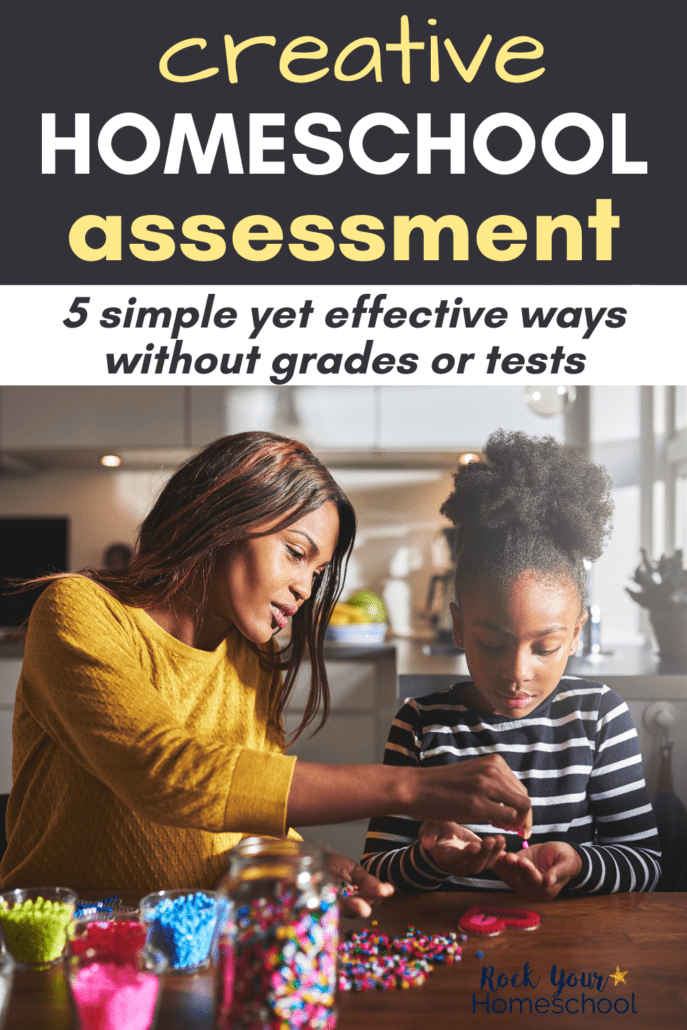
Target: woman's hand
x,y
459,851
481,790
541,871
370,890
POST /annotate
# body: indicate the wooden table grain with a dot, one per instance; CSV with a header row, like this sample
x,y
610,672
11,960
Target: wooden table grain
x,y
516,983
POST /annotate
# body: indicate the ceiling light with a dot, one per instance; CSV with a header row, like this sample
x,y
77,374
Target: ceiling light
x,y
110,461
550,400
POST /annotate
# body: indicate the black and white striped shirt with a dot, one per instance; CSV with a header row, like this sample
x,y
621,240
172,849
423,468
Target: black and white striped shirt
x,y
578,756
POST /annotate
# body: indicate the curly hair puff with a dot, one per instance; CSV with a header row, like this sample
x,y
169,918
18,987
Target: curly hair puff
x,y
531,504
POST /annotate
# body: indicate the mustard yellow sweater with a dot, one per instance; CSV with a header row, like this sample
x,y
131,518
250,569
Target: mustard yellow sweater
x,y
138,761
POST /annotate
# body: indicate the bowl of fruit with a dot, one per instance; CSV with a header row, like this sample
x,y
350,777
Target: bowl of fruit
x,y
361,620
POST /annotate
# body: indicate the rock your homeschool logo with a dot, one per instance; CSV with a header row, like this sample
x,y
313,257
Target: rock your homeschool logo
x,y
557,991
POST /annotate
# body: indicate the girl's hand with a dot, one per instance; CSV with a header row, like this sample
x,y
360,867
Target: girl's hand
x,y
459,851
370,890
540,872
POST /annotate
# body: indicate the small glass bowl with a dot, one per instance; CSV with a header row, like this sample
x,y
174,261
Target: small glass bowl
x,y
124,936
38,940
183,927
114,991
7,967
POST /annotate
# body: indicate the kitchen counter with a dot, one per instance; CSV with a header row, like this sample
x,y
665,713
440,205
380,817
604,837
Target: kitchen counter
x,y
635,673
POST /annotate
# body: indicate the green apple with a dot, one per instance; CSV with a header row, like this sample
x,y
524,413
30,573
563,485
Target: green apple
x,y
371,603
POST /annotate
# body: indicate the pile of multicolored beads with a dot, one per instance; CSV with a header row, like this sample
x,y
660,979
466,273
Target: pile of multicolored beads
x,y
372,961
285,958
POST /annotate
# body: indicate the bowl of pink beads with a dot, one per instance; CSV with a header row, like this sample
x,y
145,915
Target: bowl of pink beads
x,y
123,936
34,923
115,989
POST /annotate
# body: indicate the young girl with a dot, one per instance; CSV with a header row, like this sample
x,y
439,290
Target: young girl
x,y
527,516
148,733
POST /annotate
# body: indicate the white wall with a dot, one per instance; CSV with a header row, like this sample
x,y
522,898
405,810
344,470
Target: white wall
x,y
650,743
104,506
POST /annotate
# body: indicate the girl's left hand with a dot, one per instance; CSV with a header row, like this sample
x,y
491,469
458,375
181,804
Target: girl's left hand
x,y
370,890
540,871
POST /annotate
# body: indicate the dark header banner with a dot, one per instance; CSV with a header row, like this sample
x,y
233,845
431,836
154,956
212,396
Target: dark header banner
x,y
161,142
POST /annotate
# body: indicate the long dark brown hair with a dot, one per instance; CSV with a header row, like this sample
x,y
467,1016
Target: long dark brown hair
x,y
233,488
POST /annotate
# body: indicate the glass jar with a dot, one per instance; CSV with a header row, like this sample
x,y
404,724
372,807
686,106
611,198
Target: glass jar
x,y
286,935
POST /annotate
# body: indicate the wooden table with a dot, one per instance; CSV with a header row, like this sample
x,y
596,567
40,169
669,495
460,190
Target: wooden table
x,y
645,935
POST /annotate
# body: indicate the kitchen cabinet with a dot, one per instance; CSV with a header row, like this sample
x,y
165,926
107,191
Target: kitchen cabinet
x,y
6,717
92,416
362,417
453,418
332,418
10,668
363,704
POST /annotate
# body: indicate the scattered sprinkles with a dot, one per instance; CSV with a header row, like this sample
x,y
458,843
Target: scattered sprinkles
x,y
372,961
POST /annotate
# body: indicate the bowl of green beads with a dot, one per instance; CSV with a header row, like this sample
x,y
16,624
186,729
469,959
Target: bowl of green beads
x,y
34,923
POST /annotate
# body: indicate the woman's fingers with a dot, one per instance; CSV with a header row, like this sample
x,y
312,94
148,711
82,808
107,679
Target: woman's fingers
x,y
505,799
479,790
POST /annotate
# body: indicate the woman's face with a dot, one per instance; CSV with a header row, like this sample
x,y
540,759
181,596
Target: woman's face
x,y
257,584
517,638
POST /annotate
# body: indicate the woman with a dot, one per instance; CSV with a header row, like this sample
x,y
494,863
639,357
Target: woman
x,y
148,723
526,519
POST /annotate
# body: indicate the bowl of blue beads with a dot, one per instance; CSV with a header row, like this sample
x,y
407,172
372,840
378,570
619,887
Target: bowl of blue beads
x,y
185,925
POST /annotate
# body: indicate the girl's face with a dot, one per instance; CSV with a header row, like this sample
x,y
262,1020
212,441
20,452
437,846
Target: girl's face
x,y
257,584
517,639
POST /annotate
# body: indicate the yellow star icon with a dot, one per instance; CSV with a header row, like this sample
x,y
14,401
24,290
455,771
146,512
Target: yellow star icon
x,y
618,976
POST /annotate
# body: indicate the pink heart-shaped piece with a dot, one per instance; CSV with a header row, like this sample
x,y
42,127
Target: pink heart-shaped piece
x,y
490,921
